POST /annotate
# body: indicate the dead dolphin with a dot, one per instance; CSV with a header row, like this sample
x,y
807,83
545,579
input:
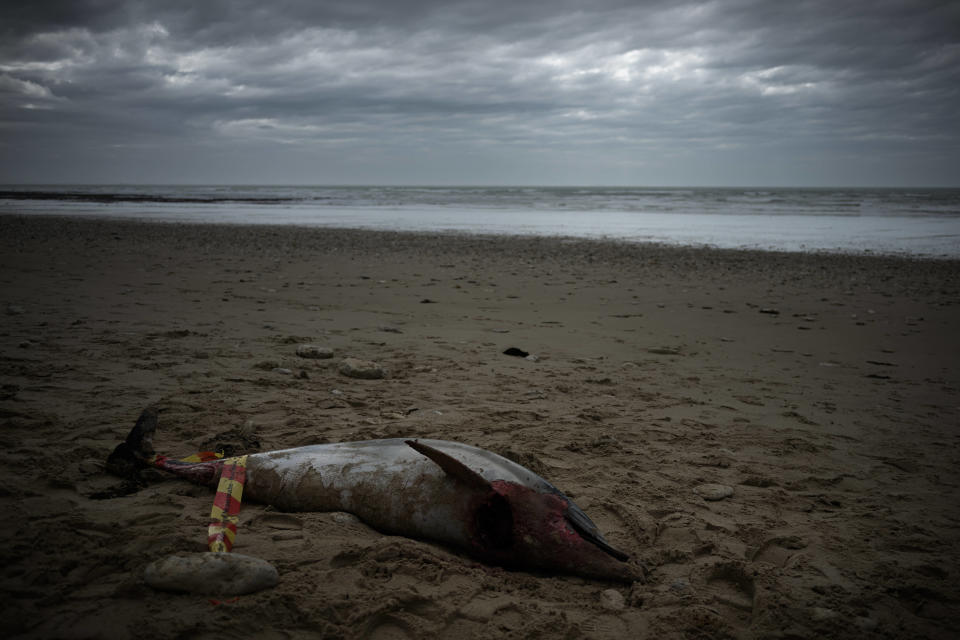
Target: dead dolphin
x,y
448,492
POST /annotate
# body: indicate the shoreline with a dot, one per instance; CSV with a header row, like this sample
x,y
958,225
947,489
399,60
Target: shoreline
x,y
755,226
821,388
627,245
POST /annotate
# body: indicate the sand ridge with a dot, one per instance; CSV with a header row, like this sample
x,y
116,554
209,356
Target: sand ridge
x,y
821,388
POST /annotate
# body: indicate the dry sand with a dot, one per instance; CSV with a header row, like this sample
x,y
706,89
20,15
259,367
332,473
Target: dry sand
x,y
822,389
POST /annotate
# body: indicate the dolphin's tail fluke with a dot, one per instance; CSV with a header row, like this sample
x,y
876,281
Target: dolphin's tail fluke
x,y
136,452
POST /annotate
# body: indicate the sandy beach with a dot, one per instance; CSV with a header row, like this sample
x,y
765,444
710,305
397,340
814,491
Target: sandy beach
x,y
823,389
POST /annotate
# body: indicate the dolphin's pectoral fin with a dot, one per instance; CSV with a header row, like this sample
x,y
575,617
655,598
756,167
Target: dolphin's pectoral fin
x,y
452,466
583,525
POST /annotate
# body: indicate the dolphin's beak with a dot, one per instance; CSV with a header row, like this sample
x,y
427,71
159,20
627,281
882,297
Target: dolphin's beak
x,y
588,531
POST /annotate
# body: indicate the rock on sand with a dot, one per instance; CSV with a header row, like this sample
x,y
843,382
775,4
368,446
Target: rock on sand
x,y
354,368
224,574
314,351
713,491
612,599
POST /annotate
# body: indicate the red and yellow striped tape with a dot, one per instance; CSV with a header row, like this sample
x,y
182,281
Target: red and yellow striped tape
x,y
203,468
226,505
203,456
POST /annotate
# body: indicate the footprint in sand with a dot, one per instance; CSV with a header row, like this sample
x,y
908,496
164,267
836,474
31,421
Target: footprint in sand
x,y
731,586
479,612
676,534
387,627
778,551
408,620
288,537
280,521
485,607
155,518
604,627
283,529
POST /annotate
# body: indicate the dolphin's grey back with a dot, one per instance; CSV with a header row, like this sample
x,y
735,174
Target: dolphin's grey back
x,y
488,464
396,452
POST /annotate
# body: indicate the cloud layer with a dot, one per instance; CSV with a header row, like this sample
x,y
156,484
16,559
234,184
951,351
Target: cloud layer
x,y
726,92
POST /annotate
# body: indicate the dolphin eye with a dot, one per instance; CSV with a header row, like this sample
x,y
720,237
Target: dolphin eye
x,y
493,521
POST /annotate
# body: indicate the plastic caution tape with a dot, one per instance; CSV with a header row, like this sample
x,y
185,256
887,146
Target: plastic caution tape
x,y
159,461
203,456
226,505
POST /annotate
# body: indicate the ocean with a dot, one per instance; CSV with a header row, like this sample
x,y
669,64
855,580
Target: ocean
x,y
916,222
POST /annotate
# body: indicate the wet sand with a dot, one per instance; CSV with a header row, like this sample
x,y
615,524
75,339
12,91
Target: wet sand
x,y
822,389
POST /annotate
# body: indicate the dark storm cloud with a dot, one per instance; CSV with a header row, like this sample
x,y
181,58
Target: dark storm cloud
x,y
735,91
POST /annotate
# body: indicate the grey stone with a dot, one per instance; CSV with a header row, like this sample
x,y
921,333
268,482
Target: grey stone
x,y
342,517
314,351
354,368
612,599
223,574
713,491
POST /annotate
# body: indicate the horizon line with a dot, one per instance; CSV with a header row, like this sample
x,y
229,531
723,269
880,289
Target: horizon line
x,y
462,185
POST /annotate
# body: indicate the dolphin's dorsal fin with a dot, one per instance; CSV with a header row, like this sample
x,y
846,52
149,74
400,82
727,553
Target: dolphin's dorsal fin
x,y
452,466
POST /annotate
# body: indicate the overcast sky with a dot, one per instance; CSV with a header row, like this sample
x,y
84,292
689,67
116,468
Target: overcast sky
x,y
549,92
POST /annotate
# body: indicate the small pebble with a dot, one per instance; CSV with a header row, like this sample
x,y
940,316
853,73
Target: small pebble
x,y
342,517
282,371
713,491
611,599
224,574
364,369
314,351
